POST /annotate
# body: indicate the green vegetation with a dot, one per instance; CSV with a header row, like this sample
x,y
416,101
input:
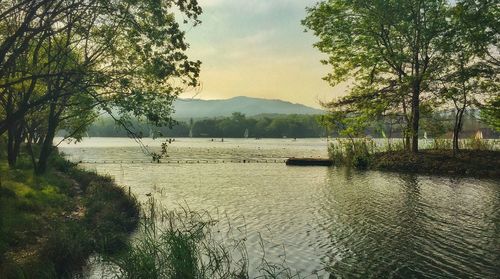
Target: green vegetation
x,y
187,244
476,163
50,224
406,60
265,126
63,62
479,158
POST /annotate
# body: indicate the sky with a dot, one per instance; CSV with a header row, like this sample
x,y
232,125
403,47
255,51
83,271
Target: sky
x,y
258,48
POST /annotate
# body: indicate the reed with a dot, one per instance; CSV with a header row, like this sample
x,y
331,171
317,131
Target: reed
x,y
187,244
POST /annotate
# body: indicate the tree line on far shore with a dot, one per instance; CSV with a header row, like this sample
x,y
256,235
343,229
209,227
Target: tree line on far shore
x,y
434,125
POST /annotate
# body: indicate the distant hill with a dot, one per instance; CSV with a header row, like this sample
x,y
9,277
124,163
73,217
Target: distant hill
x,y
196,108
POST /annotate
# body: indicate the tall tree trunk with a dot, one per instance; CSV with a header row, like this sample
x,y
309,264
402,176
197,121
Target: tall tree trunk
x,y
407,138
415,115
456,130
15,137
46,148
406,132
11,139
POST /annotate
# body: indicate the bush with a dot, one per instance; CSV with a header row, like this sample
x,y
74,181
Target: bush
x,y
7,193
361,162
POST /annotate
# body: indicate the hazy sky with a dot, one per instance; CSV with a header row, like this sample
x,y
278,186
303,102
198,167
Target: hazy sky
x,y
258,48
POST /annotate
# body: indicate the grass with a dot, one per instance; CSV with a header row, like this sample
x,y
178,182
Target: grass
x,y
177,244
51,224
356,152
187,244
476,157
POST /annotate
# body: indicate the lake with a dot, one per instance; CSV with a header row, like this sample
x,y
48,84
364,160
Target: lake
x,y
322,221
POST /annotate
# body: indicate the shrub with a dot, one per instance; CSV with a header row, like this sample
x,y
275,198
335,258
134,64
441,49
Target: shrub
x,y
7,193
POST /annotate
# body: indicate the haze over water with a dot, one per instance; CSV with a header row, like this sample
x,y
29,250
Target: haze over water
x,y
319,220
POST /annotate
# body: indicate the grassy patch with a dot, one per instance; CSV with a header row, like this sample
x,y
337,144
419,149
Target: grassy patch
x,y
50,224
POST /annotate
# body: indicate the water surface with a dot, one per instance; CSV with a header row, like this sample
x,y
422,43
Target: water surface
x,y
321,221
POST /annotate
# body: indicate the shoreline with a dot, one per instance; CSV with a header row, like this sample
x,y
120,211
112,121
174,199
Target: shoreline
x,y
467,163
52,224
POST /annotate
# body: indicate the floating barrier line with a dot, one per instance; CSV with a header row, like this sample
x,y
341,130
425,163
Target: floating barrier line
x,y
184,161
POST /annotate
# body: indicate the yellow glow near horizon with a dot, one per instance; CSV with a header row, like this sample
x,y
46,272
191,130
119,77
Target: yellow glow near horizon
x,y
257,48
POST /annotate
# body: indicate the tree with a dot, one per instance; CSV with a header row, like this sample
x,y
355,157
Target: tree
x,y
469,73
490,112
382,44
123,57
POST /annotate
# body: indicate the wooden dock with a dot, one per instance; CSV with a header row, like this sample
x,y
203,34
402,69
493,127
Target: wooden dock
x,y
309,162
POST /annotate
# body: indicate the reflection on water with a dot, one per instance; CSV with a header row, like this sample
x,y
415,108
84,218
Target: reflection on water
x,y
328,221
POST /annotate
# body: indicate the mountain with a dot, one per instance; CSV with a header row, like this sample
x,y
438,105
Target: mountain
x,y
197,108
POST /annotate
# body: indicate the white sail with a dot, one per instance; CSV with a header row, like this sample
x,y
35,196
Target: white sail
x,y
246,133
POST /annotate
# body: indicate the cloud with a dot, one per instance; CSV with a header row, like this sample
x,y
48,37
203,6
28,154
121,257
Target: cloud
x,y
258,48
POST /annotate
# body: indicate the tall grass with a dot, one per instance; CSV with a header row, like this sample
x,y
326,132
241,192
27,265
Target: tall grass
x,y
187,244
479,144
179,244
352,152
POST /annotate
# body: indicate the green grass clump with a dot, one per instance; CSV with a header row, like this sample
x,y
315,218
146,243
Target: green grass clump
x,y
474,143
177,245
187,244
352,152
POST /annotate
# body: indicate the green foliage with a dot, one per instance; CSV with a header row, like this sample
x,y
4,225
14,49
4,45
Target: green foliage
x,y
435,124
475,143
61,63
356,152
292,126
490,112
403,57
441,144
110,214
67,248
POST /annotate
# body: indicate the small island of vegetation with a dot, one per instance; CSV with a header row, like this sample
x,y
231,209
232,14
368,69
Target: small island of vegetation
x,y
408,61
